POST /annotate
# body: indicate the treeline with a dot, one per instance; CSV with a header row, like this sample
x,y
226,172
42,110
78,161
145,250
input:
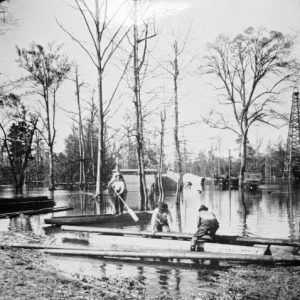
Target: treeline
x,y
250,70
67,164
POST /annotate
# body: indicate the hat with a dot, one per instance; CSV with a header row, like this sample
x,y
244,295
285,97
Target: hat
x,y
202,207
163,205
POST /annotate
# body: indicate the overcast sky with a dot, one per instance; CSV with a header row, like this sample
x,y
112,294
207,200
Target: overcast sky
x,y
206,19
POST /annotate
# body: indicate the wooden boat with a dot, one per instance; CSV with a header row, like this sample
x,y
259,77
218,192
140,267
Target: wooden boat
x,y
22,198
36,211
125,219
21,203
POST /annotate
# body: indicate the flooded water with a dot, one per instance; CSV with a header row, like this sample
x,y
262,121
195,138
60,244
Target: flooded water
x,y
273,211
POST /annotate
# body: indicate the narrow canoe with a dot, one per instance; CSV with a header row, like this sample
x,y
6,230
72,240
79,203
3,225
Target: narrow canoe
x,y
36,211
22,198
144,217
14,206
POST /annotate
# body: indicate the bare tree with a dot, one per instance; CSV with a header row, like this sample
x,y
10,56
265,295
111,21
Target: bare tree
x,y
82,173
140,39
252,69
174,67
161,155
47,71
90,137
105,42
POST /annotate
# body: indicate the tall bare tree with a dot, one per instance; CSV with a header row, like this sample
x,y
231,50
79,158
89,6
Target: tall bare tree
x,y
105,42
161,155
252,69
174,66
47,71
82,173
140,42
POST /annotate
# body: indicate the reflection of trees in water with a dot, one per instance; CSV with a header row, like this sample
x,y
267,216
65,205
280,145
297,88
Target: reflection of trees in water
x,y
21,223
178,279
247,200
163,278
82,199
290,213
142,278
103,268
100,207
285,201
177,218
244,212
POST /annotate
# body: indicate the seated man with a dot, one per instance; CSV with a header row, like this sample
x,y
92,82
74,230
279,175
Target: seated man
x,y
207,225
161,218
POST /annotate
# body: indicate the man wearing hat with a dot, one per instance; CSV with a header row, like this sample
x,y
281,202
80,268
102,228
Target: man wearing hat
x,y
207,225
161,218
117,183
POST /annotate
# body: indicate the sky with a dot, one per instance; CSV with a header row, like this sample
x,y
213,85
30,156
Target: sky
x,y
201,21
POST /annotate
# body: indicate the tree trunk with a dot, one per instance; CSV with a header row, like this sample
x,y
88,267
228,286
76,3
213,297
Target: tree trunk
x,y
51,169
161,156
243,160
100,156
139,116
178,159
82,174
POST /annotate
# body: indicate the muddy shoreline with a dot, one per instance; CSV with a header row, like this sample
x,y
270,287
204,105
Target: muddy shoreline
x,y
25,274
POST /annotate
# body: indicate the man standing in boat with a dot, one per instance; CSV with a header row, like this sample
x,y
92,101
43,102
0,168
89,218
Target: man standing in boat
x,y
161,219
119,190
207,224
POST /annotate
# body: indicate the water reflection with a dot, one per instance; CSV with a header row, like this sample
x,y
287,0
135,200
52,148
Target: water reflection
x,y
272,212
22,223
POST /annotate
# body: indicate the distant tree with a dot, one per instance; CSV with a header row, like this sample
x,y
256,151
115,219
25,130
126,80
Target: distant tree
x,y
251,68
17,140
161,154
6,18
47,71
274,159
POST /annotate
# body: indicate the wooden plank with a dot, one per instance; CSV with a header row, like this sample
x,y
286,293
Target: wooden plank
x,y
121,232
81,251
123,254
177,255
221,239
133,243
98,219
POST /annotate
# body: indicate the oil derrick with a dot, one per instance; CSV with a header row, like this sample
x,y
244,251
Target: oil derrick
x,y
292,157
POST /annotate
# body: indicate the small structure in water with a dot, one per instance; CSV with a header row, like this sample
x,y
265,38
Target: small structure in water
x,y
252,180
196,182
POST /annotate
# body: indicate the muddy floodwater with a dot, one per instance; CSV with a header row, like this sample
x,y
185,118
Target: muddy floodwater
x,y
273,212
